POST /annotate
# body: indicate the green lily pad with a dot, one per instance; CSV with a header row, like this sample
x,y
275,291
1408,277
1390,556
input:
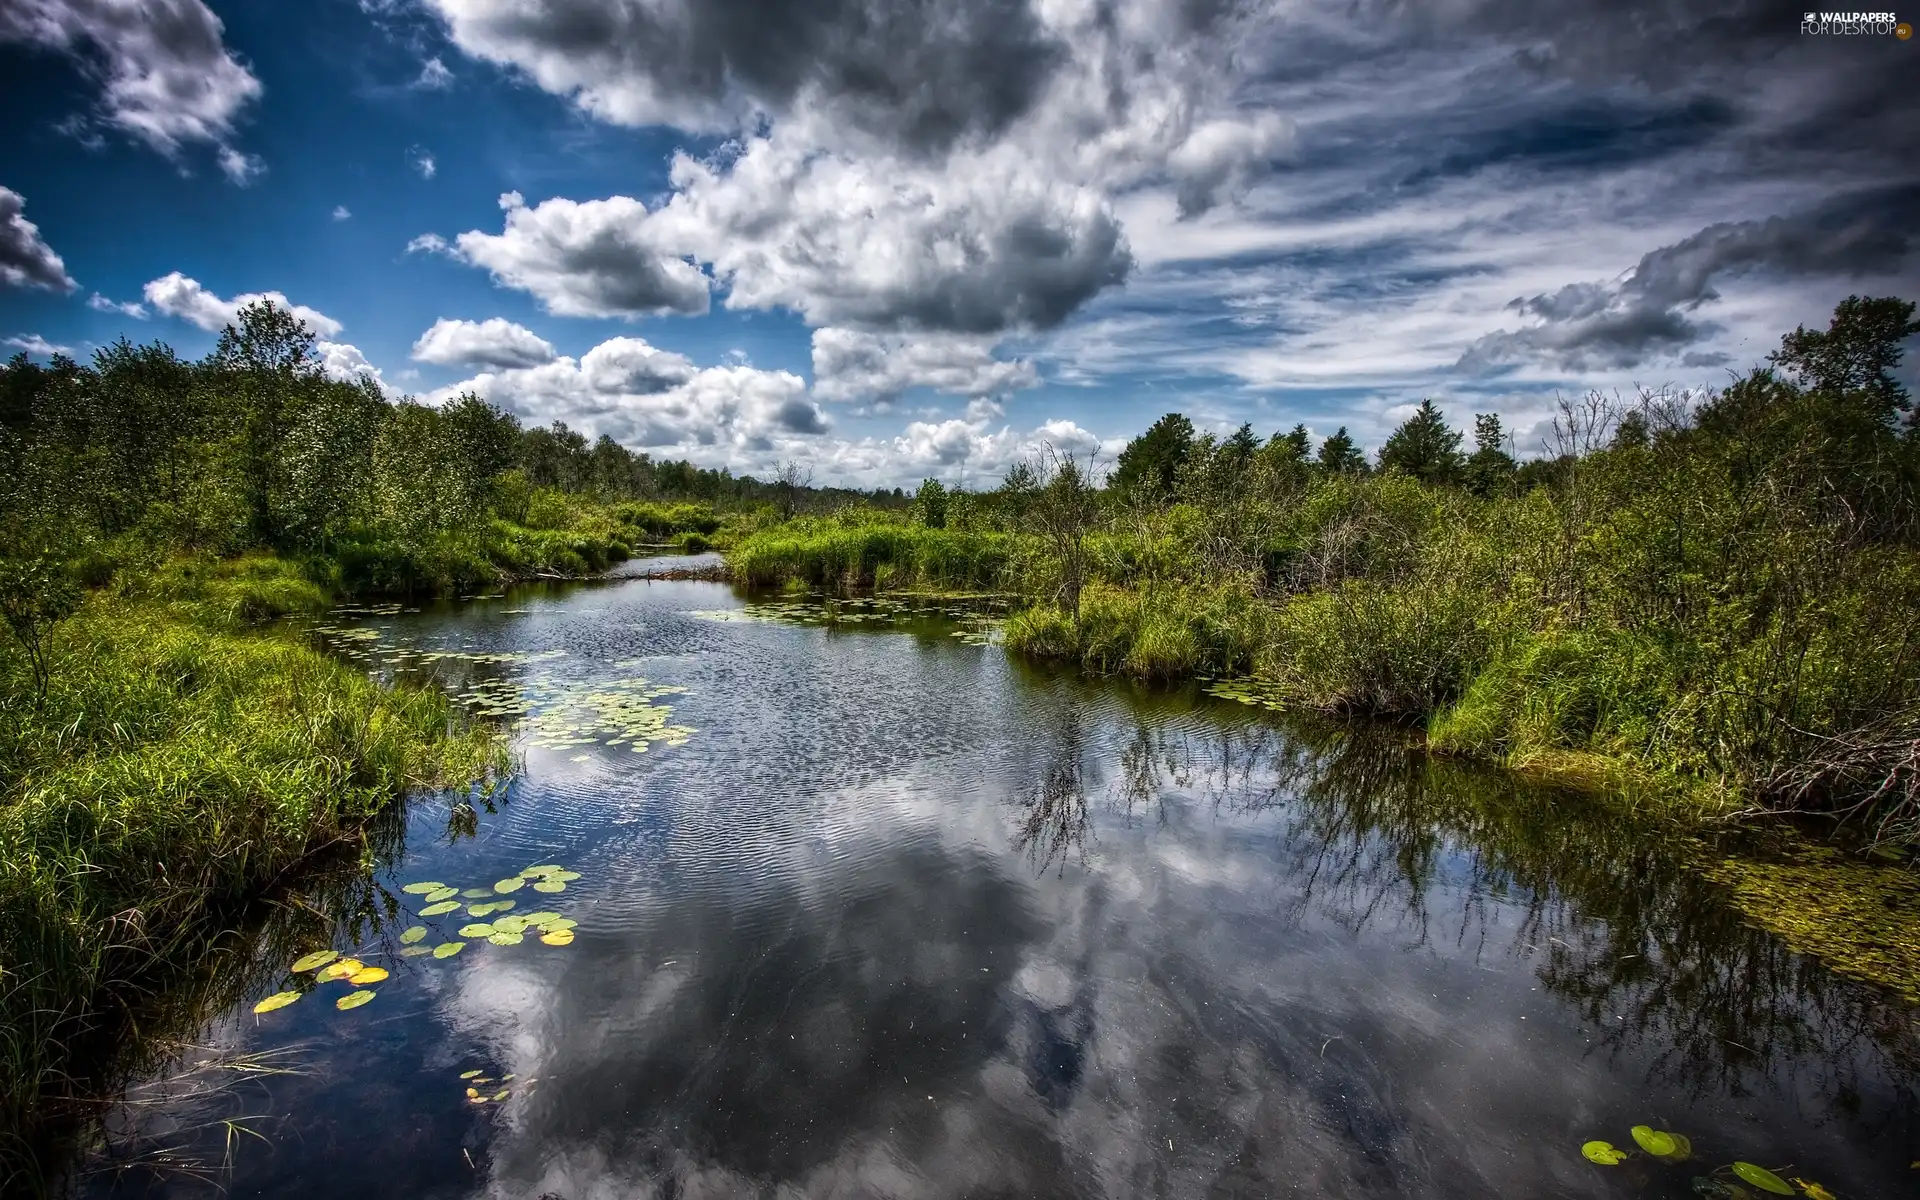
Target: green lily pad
x,y
277,1000
319,958
513,884
441,893
421,889
415,951
477,893
478,929
558,924
510,925
354,999
448,949
1605,1153
563,876
412,934
541,917
473,1074
1656,1142
541,870
505,939
435,910
549,885
1762,1178
500,1095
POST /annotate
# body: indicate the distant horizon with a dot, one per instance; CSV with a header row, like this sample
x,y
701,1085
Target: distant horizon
x,y
737,233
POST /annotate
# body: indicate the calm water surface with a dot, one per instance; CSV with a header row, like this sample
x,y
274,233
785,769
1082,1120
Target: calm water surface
x,y
899,917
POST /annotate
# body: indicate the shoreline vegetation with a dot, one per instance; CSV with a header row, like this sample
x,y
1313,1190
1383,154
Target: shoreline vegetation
x,y
1707,603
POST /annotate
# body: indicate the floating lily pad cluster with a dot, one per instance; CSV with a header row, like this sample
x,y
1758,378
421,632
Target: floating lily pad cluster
x,y
484,1089
440,899
1723,1183
1243,691
565,717
975,627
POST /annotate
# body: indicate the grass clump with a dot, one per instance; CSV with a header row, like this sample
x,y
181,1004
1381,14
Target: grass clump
x,y
178,764
836,555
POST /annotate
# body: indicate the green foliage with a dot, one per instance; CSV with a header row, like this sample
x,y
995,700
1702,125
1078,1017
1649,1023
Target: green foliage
x,y
1340,456
35,592
1424,447
838,556
930,504
1150,464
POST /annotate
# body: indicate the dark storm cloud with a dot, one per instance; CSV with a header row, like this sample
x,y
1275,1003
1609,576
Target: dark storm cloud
x,y
1605,325
927,72
26,261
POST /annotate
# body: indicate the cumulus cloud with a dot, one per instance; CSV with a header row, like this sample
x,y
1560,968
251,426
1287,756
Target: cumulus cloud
x,y
26,261
240,169
344,361
131,308
36,345
601,258
850,364
165,75
495,342
646,397
423,162
178,296
434,76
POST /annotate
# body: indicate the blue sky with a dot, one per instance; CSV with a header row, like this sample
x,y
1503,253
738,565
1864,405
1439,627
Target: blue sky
x,y
898,238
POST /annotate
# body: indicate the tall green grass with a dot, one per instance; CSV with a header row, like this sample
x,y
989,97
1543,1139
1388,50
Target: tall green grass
x,y
181,762
832,555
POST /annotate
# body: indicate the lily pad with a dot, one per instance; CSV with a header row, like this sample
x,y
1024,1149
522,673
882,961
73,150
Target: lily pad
x,y
558,924
563,876
506,939
319,958
415,951
541,870
511,925
339,969
448,949
558,937
277,1000
1762,1178
478,929
1656,1142
367,975
441,893
353,999
413,934
549,885
435,910
1814,1191
1605,1153
513,884
477,893
470,1074
500,1095
542,917
421,889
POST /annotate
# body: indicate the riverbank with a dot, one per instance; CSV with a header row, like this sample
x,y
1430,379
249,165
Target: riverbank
x,y
182,761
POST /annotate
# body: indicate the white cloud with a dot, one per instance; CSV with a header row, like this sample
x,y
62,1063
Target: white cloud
x,y
423,162
340,213
166,76
131,308
434,76
597,259
343,361
178,296
849,364
240,169
429,243
36,345
654,399
495,342
26,261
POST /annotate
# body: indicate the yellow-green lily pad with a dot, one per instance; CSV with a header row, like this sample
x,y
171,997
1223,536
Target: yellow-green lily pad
x,y
1656,1142
441,893
558,937
477,893
448,949
510,925
505,939
413,934
558,924
1605,1153
541,870
421,889
549,885
277,1000
542,917
513,884
473,1074
339,968
353,999
478,929
415,951
367,975
563,876
440,909
319,958
1762,1178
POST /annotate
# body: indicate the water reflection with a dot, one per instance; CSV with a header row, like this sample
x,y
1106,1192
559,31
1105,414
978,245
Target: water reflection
x,y
904,918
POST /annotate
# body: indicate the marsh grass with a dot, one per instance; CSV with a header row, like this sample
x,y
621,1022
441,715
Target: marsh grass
x,y
183,762
891,555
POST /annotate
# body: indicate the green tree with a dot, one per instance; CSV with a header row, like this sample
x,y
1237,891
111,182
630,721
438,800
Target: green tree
x,y
1296,444
1856,354
1151,463
35,592
1424,447
930,504
1339,455
1489,468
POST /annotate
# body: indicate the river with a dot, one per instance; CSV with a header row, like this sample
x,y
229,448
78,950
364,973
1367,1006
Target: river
x,y
868,909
